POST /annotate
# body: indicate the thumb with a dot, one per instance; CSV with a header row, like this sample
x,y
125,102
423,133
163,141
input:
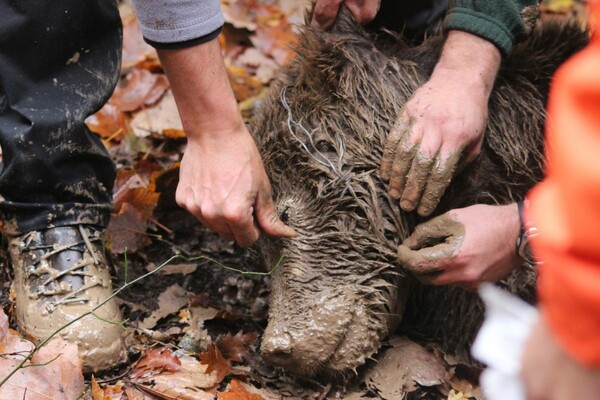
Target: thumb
x,y
430,233
268,220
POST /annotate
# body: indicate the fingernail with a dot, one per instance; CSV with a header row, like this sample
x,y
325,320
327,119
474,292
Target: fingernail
x,y
407,205
394,194
424,211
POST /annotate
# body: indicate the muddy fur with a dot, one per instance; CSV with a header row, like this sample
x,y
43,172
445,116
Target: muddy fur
x,y
340,290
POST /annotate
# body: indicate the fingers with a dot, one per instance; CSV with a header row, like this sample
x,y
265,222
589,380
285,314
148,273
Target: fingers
x,y
417,171
324,13
439,179
395,137
424,261
268,218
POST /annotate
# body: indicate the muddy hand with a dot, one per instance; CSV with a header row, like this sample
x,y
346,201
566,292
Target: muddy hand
x,y
428,250
440,129
223,183
464,247
325,11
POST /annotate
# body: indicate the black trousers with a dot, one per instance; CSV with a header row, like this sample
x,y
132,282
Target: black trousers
x,y
59,63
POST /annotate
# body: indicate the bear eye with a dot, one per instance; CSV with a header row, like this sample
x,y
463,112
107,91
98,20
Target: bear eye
x,y
285,216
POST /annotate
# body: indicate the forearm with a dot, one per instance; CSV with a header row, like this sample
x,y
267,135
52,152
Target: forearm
x,y
501,22
469,59
201,88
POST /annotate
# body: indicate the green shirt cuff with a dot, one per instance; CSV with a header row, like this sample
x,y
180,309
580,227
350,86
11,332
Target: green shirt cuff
x,y
482,25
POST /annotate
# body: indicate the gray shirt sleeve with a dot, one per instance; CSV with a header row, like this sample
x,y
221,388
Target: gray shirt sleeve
x,y
175,21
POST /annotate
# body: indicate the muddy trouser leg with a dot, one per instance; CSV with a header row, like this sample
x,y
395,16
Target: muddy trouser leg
x,y
59,63
414,18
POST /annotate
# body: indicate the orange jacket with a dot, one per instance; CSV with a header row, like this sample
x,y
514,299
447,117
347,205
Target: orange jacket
x,y
566,205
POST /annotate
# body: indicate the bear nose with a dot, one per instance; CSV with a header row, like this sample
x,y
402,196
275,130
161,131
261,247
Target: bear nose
x,y
277,349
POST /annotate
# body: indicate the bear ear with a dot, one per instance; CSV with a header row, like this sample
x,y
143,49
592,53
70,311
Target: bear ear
x,y
345,22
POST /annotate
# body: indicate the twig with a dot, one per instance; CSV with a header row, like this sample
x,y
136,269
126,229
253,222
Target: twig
x,y
116,378
125,286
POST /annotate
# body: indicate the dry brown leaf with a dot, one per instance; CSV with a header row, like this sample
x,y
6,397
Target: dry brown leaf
x,y
173,133
401,367
156,119
243,84
109,123
127,230
135,50
215,361
276,41
53,372
138,89
169,302
97,392
264,68
235,348
466,389
154,361
166,376
235,391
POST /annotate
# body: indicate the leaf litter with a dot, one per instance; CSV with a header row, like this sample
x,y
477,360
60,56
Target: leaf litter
x,y
194,328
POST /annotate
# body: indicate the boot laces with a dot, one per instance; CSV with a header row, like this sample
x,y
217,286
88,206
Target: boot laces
x,y
54,287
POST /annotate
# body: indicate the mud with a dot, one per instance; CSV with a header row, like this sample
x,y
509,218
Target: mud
x,y
446,232
48,298
321,132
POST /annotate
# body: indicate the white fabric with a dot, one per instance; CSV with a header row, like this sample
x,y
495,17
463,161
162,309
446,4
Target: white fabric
x,y
500,343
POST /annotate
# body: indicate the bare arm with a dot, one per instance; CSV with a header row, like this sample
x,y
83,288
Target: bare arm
x,y
222,180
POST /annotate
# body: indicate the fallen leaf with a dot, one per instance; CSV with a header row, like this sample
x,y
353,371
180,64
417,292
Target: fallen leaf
x,y
243,84
276,41
264,67
136,51
235,391
139,88
109,123
155,361
466,389
215,361
97,392
235,348
54,371
155,119
167,376
169,302
238,14
127,230
401,367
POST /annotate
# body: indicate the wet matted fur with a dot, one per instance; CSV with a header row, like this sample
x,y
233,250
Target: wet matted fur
x,y
321,131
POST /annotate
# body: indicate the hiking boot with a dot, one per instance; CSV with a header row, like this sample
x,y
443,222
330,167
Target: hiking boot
x,y
60,274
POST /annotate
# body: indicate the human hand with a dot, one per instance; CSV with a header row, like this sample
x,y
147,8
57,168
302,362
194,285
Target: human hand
x,y
222,180
223,183
325,11
464,247
441,127
550,374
